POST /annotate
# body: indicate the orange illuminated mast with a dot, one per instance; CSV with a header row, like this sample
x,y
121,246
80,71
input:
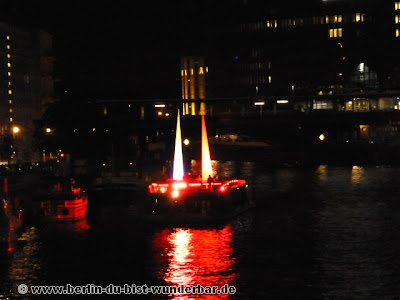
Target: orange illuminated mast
x,y
206,169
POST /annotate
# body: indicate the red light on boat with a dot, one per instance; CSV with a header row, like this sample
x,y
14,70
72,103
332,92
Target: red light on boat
x,y
179,185
195,184
222,188
175,194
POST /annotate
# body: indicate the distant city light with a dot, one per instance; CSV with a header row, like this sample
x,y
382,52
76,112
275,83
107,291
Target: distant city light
x,y
16,129
321,137
282,101
159,105
186,142
48,130
259,103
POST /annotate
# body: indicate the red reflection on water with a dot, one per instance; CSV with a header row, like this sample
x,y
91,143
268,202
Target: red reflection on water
x,y
82,225
195,256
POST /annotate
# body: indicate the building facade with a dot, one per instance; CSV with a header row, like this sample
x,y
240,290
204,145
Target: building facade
x,y
26,87
308,48
193,77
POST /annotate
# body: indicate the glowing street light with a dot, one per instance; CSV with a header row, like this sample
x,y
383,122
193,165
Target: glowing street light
x,y
321,137
48,130
16,129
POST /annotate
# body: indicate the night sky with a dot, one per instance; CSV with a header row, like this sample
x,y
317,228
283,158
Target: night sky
x,y
131,49
121,49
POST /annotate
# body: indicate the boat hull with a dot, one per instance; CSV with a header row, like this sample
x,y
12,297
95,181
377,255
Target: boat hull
x,y
198,207
64,211
116,189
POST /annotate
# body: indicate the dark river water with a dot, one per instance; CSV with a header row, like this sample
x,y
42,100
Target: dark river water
x,y
317,233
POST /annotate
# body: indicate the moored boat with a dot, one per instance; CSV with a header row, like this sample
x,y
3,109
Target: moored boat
x,y
238,140
60,202
115,187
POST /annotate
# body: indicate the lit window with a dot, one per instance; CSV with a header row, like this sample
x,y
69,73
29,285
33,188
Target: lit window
x,y
10,110
10,101
397,32
206,69
201,70
338,18
8,55
8,47
9,83
8,37
185,72
269,79
359,17
9,92
336,32
322,104
9,65
181,72
191,71
272,23
397,19
9,73
11,119
397,5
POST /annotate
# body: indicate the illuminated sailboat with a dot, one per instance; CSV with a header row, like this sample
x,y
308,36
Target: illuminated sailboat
x,y
196,199
177,173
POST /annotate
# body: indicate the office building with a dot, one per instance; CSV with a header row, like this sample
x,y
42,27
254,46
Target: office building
x,y
307,48
26,87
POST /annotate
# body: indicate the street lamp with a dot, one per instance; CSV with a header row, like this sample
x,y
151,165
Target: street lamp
x,y
16,129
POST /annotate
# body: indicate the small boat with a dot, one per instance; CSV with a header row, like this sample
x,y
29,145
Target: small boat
x,y
234,147
60,202
238,140
186,201
114,187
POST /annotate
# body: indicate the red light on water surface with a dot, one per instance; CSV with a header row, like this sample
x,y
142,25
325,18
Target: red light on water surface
x,y
195,256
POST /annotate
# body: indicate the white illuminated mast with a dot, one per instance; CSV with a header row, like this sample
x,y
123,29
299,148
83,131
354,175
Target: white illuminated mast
x,y
178,155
